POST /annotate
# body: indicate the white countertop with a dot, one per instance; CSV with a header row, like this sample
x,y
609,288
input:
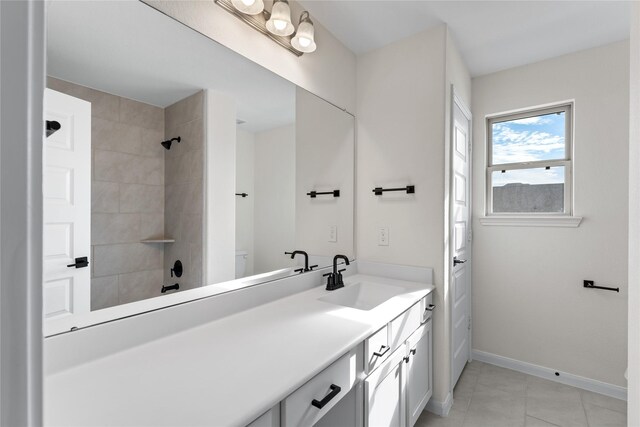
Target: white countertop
x,y
223,373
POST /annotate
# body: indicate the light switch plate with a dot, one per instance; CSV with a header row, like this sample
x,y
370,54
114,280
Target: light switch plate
x,y
383,236
333,233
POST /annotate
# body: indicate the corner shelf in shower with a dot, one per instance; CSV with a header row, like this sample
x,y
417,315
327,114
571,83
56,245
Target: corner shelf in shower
x,y
159,240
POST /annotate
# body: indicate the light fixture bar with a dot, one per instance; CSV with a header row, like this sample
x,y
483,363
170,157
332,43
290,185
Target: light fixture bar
x,y
258,22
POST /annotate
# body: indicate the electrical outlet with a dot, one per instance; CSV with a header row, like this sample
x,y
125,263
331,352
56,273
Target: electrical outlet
x,y
333,233
383,236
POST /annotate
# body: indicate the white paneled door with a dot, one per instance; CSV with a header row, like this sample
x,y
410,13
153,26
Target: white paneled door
x,y
67,206
460,239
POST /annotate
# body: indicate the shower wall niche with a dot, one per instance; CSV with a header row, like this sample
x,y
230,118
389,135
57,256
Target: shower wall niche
x,y
146,201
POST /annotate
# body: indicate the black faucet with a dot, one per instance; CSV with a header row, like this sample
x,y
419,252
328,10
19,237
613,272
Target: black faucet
x,y
306,260
334,279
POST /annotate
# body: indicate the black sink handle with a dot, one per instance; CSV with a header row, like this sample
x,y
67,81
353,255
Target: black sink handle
x,y
321,403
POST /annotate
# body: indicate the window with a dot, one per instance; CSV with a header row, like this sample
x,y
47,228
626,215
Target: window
x,y
529,164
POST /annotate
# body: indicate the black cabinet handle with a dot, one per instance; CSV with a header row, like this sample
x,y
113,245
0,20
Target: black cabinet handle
x,y
333,393
80,262
413,351
383,350
431,307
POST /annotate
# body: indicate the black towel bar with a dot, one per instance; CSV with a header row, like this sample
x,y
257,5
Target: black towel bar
x,y
591,284
313,194
410,189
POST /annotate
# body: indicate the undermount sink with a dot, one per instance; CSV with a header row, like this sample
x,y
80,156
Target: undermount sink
x,y
362,295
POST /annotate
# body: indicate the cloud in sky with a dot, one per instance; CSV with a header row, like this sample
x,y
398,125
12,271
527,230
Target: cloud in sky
x,y
531,120
526,140
529,139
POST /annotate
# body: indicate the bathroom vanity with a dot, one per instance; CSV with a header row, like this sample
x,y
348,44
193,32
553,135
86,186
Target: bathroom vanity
x,y
360,355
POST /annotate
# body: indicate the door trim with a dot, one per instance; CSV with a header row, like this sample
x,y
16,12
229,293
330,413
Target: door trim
x,y
456,100
22,82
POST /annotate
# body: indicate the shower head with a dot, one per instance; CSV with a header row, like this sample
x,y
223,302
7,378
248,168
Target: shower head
x,y
167,144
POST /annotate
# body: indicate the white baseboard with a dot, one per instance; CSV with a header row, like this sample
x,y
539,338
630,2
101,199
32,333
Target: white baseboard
x,y
550,374
440,408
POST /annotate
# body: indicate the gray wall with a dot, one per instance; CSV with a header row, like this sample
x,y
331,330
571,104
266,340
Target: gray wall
x,y
513,266
21,85
127,196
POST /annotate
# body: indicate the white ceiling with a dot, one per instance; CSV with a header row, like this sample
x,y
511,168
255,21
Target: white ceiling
x,y
129,49
491,35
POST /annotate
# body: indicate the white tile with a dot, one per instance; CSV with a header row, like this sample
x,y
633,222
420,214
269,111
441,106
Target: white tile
x,y
492,407
604,401
555,403
603,417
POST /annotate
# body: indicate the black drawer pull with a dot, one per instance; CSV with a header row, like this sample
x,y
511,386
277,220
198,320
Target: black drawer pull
x,y
383,350
430,307
334,392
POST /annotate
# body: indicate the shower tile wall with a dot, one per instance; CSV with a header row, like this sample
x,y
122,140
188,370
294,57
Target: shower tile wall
x,y
127,205
184,193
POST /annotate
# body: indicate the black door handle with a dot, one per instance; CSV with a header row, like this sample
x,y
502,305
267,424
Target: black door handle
x,y
334,392
457,261
81,262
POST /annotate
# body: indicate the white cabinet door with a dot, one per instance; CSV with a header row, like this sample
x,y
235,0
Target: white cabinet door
x,y
66,206
419,372
384,393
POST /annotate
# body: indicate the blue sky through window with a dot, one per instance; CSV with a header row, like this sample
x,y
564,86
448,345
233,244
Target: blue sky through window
x,y
528,140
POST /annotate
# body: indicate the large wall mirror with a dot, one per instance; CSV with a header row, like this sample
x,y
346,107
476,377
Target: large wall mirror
x,y
173,163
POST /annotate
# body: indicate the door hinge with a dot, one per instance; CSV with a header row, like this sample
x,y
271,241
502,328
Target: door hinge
x,y
469,323
470,236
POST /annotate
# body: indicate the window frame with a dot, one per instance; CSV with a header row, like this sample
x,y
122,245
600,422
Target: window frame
x,y
568,108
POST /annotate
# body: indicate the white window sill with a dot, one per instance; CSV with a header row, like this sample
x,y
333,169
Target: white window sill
x,y
531,221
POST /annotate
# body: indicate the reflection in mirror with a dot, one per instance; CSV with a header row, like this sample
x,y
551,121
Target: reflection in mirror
x,y
265,218
159,131
278,169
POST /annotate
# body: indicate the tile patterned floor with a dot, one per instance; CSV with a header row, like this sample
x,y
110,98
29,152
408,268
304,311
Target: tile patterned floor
x,y
489,396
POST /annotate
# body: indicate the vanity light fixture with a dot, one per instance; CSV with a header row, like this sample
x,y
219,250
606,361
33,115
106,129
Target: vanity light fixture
x,y
304,38
275,24
249,7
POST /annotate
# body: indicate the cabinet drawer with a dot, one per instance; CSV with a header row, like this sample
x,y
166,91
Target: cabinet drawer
x,y
403,326
427,307
300,408
376,349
